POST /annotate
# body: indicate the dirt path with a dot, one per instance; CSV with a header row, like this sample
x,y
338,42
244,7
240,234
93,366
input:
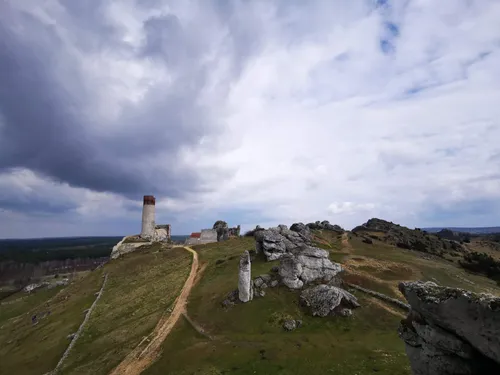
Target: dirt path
x,y
141,358
345,242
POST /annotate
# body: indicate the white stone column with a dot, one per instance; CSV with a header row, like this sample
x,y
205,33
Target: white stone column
x,y
245,284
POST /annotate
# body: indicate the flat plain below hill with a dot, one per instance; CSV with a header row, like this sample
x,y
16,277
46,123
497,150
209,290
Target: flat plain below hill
x,y
211,340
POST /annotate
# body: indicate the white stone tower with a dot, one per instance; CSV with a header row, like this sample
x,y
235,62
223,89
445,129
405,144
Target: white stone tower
x,y
148,217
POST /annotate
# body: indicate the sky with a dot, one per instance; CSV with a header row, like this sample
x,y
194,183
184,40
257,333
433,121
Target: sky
x,y
254,112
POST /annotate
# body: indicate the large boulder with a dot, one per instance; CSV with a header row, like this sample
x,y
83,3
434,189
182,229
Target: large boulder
x,y
222,230
274,242
305,265
324,300
450,330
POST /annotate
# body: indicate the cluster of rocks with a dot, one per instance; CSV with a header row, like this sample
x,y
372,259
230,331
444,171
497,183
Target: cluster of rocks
x,y
450,331
412,239
275,242
301,264
224,232
325,224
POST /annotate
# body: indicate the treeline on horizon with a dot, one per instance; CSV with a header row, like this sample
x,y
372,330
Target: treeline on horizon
x,y
47,249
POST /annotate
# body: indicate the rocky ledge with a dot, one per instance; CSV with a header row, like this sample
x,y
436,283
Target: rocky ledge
x,y
450,330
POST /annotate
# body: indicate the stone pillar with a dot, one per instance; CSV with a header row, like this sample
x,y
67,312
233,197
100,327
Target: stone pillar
x,y
148,217
245,284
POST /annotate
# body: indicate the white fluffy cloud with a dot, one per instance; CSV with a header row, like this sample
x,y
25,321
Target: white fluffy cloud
x,y
327,110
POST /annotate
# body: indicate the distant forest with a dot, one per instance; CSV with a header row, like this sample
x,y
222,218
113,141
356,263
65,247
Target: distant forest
x,y
48,249
29,260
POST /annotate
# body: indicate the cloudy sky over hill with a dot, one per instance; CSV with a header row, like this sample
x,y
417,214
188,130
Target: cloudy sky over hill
x,y
258,112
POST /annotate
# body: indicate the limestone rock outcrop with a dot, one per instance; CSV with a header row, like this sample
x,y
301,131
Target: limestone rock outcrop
x,y
325,300
450,331
325,224
124,247
274,242
222,230
245,283
305,265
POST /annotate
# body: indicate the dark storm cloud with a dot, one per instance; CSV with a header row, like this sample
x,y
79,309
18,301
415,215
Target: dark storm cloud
x,y
45,98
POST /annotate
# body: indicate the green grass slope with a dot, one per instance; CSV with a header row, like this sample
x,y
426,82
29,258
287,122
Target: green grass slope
x,y
35,349
248,338
141,287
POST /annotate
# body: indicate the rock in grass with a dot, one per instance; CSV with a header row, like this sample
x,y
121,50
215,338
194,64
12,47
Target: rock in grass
x,y
245,285
326,299
289,325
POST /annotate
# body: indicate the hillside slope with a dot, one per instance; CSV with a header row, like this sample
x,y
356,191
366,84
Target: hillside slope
x,y
141,287
213,339
248,338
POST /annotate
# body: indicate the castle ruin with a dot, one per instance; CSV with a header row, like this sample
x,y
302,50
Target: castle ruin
x,y
150,231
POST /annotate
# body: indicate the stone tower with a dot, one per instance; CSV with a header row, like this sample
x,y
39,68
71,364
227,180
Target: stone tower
x,y
148,217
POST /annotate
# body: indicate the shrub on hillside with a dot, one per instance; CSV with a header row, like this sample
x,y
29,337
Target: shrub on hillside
x,y
482,263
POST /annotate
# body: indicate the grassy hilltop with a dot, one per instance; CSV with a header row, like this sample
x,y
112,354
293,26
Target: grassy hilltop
x,y
210,339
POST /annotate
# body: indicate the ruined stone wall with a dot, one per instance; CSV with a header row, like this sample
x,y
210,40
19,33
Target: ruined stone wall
x,y
163,232
208,235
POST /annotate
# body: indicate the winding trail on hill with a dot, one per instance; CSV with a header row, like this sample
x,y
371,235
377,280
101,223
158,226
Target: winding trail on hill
x,y
345,242
139,359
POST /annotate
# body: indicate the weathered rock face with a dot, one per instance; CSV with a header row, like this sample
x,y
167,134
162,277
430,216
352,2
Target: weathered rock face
x,y
451,331
307,264
290,271
122,248
324,300
245,284
222,230
274,242
301,229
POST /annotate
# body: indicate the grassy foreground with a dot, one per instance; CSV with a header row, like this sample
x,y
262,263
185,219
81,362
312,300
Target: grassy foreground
x,y
35,349
140,287
245,339
248,339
